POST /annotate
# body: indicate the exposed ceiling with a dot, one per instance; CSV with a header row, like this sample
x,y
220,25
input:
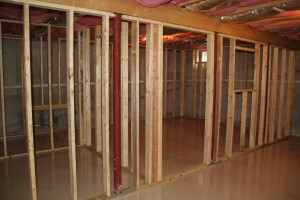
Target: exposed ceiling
x,y
278,16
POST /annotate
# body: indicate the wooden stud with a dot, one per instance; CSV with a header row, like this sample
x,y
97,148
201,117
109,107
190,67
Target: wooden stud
x,y
124,93
231,100
87,86
28,100
157,97
267,123
105,104
165,81
289,104
2,95
70,99
274,93
41,68
195,75
135,159
182,82
58,70
50,85
263,95
254,103
281,98
192,108
149,103
98,92
80,88
219,88
22,84
209,99
174,82
201,92
243,119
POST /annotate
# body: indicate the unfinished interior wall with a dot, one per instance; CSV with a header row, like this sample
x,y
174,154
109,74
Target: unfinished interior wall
x,y
296,99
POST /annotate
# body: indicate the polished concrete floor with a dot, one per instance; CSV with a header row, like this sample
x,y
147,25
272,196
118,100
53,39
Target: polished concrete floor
x,y
182,149
272,172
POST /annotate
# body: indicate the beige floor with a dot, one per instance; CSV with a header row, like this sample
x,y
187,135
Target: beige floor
x,y
272,172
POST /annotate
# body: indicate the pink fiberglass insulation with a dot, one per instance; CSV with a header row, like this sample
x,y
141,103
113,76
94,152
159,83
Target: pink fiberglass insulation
x,y
230,9
277,27
155,3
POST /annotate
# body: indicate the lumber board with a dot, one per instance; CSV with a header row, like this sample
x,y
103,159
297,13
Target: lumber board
x,y
174,83
124,93
28,101
231,100
135,98
254,101
98,91
182,81
243,120
209,99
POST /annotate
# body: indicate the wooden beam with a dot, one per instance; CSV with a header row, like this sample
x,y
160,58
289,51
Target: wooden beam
x,y
209,99
202,67
87,85
281,97
124,93
245,49
289,102
263,95
192,108
231,100
71,107
174,82
149,103
219,88
28,101
80,88
49,59
177,16
98,92
273,93
254,101
182,82
135,101
243,120
2,95
165,81
105,104
158,97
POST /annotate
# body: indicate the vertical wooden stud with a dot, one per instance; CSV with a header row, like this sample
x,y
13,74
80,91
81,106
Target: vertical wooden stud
x,y
157,97
254,100
2,96
209,99
289,104
135,98
105,104
80,89
124,93
195,75
98,92
49,59
71,106
202,81
182,82
87,86
41,72
219,87
231,99
281,98
174,82
149,103
165,81
274,94
58,70
243,119
28,100
263,95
